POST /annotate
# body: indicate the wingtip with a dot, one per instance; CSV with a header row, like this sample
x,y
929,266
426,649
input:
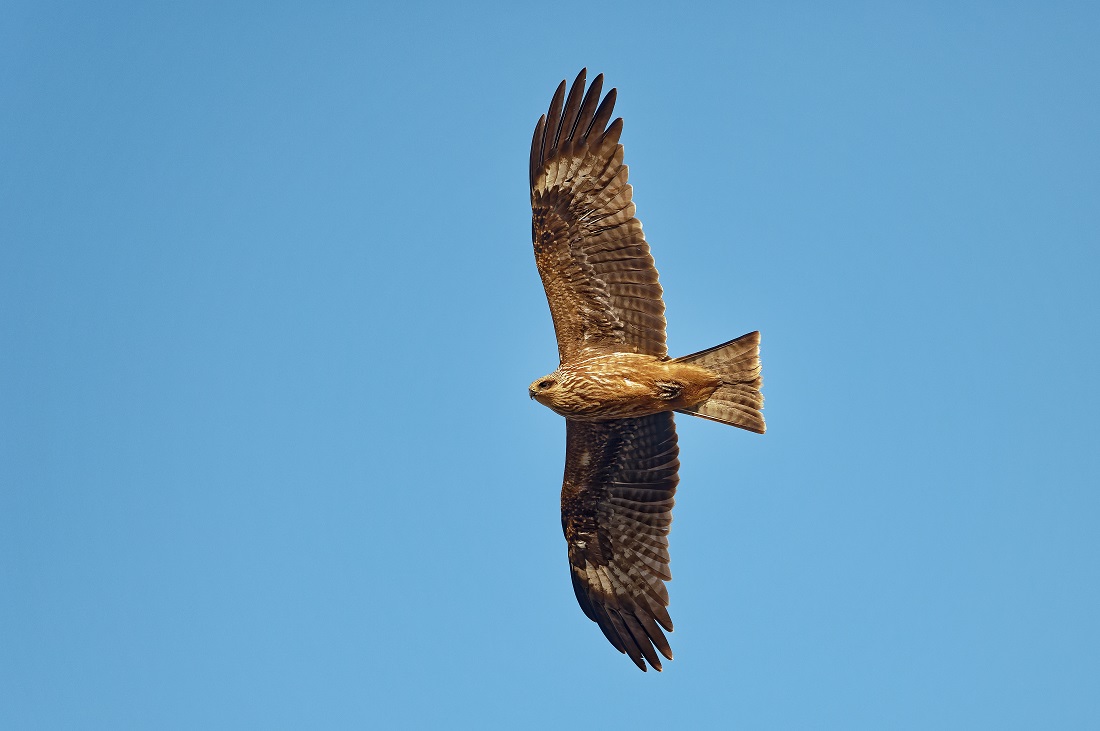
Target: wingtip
x,y
614,131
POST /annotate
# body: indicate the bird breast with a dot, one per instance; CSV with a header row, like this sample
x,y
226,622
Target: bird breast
x,y
623,385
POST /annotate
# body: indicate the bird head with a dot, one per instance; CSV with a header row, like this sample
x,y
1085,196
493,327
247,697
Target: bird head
x,y
544,389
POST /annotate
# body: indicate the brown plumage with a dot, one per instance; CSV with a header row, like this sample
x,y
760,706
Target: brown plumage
x,y
615,383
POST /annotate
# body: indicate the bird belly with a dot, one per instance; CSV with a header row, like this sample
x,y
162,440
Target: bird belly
x,y
625,385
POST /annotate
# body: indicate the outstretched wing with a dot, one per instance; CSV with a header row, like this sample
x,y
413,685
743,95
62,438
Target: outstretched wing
x,y
594,261
616,509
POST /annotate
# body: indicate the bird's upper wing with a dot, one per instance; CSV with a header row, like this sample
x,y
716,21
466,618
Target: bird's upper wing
x,y
616,509
593,259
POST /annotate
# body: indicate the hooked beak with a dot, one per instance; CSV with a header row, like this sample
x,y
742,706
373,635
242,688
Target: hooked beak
x,y
531,393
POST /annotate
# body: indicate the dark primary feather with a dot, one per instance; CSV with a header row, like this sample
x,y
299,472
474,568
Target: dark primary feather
x,y
616,509
594,261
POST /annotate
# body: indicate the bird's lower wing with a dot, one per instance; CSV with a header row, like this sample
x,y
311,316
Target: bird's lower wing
x,y
616,509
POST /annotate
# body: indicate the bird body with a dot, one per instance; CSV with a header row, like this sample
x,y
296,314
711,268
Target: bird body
x,y
615,384
622,385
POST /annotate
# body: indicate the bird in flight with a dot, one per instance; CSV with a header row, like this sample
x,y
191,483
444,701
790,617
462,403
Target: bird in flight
x,y
615,384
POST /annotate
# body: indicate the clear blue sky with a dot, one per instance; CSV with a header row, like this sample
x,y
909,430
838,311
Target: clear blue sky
x,y
268,312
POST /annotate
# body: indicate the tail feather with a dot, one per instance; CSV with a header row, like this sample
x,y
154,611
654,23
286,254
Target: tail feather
x,y
738,400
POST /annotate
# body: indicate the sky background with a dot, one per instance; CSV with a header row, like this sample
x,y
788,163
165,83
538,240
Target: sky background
x,y
268,313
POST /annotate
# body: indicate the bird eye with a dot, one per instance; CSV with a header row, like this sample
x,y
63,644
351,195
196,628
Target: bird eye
x,y
545,384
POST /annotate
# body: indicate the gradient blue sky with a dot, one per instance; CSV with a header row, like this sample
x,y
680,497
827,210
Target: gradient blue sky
x,y
268,313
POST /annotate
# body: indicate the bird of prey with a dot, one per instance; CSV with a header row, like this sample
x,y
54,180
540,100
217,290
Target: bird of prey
x,y
615,384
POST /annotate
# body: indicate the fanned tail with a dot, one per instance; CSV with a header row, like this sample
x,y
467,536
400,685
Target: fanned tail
x,y
738,400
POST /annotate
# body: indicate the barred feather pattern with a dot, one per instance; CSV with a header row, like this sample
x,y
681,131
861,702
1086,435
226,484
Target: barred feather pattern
x,y
594,261
616,507
738,400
